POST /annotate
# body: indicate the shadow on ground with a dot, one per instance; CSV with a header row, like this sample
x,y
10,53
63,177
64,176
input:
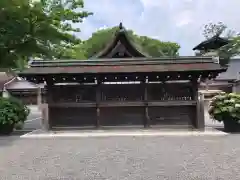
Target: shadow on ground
x,y
223,130
21,132
6,140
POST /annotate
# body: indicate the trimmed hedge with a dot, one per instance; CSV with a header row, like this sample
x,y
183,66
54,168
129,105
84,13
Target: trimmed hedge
x,y
225,107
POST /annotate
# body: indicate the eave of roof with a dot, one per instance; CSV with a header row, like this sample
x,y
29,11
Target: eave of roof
x,y
5,77
123,65
21,84
123,61
214,40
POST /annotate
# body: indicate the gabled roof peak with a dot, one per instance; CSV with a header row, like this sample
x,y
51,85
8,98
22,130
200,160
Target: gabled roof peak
x,y
120,25
121,45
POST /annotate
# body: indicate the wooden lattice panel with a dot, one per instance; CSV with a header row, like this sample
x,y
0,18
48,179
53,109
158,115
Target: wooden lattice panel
x,y
169,92
122,92
74,93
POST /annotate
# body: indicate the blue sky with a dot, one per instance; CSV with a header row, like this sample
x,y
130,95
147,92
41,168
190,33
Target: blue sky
x,y
179,21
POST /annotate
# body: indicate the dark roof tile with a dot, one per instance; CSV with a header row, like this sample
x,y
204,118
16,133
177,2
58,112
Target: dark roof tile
x,y
213,43
123,66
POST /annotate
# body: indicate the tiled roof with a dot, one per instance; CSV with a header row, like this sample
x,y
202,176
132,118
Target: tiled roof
x,y
21,84
213,43
4,78
124,65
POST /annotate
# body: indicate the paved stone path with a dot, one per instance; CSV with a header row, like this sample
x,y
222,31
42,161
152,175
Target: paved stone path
x,y
34,119
121,158
36,134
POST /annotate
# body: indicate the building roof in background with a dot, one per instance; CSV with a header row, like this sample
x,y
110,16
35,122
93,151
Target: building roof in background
x,y
213,43
19,84
232,72
4,78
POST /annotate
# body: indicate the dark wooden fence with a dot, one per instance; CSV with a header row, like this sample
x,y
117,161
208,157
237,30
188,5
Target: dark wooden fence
x,y
122,104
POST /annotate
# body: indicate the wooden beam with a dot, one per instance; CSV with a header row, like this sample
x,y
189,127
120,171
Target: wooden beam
x,y
199,120
49,100
98,100
171,103
147,120
126,104
200,117
194,89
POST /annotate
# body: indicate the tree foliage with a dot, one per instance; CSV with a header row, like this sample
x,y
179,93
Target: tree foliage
x,y
37,28
97,41
220,29
151,46
157,48
212,29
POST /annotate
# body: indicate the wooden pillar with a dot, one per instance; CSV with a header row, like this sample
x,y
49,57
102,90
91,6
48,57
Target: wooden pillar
x,y
45,117
147,121
39,97
194,92
49,93
199,121
98,100
194,97
200,112
236,87
46,110
5,92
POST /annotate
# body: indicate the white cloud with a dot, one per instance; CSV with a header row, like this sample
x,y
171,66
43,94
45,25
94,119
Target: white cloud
x,y
153,3
184,18
181,21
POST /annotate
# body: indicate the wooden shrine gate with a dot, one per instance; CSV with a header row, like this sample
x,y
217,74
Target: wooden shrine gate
x,y
164,92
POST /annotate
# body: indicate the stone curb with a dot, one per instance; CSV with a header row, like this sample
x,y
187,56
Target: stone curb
x,y
120,134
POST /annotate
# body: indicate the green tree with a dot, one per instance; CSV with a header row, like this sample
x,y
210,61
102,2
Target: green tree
x,y
151,46
37,28
73,52
157,48
97,41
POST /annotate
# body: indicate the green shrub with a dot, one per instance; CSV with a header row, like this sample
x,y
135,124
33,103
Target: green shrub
x,y
225,107
19,125
12,111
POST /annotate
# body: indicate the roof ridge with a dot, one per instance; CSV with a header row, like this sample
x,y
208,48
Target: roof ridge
x,y
127,59
119,32
118,63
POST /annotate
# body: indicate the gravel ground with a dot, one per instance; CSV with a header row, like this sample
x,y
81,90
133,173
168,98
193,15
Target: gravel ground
x,y
121,158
